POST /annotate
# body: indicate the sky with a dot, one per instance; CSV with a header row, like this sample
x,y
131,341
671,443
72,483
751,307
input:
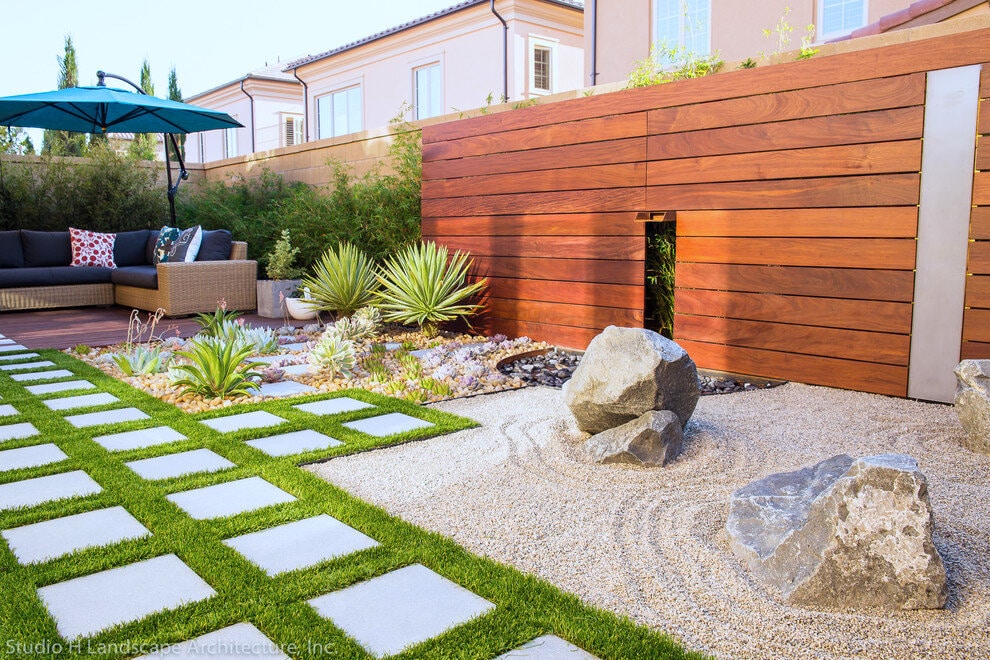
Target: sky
x,y
209,42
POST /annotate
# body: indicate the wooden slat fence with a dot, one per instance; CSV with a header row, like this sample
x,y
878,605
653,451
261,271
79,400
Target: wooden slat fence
x,y
795,190
976,321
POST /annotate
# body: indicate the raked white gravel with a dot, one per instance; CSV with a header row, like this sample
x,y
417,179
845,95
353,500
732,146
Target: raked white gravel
x,y
650,542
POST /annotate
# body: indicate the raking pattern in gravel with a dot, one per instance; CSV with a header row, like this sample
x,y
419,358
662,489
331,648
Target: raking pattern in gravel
x,y
129,591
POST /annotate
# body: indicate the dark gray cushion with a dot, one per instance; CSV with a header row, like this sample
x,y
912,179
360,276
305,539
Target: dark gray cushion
x,y
149,250
215,246
130,247
145,277
11,253
46,248
53,276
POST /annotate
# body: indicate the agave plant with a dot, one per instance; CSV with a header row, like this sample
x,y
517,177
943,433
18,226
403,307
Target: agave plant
x,y
261,340
343,280
142,360
333,353
420,285
212,323
216,369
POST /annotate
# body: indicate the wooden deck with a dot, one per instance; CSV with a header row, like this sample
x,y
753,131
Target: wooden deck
x,y
96,326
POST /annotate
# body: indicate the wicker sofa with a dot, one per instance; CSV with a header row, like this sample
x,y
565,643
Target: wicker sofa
x,y
35,274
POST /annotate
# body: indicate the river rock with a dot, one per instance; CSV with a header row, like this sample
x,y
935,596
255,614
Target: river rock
x,y
626,372
843,533
972,403
652,439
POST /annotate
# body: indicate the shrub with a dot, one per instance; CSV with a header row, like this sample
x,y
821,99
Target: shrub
x,y
421,286
216,369
280,259
343,280
667,64
661,260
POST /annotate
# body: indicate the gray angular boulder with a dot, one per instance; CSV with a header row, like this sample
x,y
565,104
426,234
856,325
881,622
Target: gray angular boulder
x,y
652,439
626,372
843,533
972,403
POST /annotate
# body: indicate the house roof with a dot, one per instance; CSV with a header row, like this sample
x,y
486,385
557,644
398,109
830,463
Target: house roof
x,y
922,12
577,5
270,72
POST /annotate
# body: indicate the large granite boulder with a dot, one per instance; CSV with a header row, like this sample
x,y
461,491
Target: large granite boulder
x,y
973,403
626,372
843,533
652,439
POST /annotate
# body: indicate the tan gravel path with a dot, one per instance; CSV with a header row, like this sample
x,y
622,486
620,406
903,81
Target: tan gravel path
x,y
650,543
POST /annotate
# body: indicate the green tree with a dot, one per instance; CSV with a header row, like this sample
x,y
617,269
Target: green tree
x,y
143,145
64,143
175,94
14,140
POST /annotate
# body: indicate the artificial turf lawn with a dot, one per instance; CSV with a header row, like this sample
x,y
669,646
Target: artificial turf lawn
x,y
526,607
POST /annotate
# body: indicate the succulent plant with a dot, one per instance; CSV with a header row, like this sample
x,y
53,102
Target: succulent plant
x,y
343,280
216,368
334,354
353,327
142,360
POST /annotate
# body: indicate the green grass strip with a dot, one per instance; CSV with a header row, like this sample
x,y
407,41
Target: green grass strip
x,y
526,606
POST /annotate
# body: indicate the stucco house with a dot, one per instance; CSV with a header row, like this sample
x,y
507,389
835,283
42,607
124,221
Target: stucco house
x,y
457,59
619,33
267,101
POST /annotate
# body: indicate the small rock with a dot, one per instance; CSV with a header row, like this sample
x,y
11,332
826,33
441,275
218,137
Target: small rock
x,y
972,403
652,439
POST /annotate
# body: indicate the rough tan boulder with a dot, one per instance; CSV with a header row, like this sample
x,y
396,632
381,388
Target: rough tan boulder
x,y
972,403
652,439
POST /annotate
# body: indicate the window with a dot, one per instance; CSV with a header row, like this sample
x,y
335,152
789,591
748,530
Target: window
x,y
683,25
541,69
838,17
542,65
428,83
229,142
292,130
340,113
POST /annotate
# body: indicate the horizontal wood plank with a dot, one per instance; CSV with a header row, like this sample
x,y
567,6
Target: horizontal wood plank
x,y
866,127
851,283
865,222
624,175
576,201
563,247
983,124
983,152
572,293
843,98
978,291
892,253
553,134
975,350
559,335
559,224
883,348
600,271
979,258
845,160
582,316
877,190
976,325
979,226
981,188
815,370
630,150
873,316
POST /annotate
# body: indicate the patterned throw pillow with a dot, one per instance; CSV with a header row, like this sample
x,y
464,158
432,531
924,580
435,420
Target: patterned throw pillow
x,y
90,248
178,245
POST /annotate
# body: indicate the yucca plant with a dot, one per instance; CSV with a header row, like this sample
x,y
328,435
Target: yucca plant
x,y
141,360
334,354
216,369
420,285
343,280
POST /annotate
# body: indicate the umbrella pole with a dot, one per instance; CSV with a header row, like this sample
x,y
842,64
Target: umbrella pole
x,y
182,176
171,190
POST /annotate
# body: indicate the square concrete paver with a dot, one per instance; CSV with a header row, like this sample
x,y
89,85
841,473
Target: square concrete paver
x,y
265,359
296,369
118,416
31,492
27,365
251,420
393,611
175,465
389,424
41,375
549,647
17,431
25,457
156,435
5,340
8,410
285,388
52,388
12,348
296,442
86,605
296,346
81,401
300,544
4,357
241,640
230,498
53,538
333,406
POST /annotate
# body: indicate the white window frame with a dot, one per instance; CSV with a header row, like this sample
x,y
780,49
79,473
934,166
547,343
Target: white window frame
x,y
548,44
230,140
820,24
425,66
299,134
682,27
333,132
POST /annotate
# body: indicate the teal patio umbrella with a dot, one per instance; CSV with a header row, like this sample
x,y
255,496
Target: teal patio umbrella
x,y
103,109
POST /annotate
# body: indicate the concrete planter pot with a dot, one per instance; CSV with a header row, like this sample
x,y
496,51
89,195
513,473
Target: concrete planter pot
x,y
268,290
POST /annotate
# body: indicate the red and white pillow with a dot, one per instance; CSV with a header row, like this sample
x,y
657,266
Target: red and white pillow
x,y
90,248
